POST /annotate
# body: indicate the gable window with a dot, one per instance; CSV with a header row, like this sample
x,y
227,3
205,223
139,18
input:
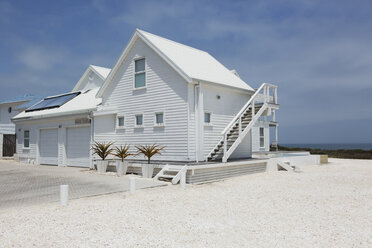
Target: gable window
x,y
120,122
207,118
139,73
262,137
139,120
159,119
26,139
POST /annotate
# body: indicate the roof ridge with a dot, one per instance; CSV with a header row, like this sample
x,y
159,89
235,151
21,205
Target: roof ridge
x,y
101,67
178,43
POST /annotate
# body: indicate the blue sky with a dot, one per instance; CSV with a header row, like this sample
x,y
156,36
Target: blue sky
x,y
319,53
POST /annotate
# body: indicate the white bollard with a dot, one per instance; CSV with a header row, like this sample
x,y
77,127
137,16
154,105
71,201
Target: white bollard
x,y
132,185
183,180
64,195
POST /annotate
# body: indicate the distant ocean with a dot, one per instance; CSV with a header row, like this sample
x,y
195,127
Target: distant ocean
x,y
330,146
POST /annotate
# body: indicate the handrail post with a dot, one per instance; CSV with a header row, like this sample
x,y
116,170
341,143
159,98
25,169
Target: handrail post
x,y
224,144
240,125
253,109
275,96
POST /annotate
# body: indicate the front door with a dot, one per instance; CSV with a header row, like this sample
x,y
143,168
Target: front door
x,y
9,145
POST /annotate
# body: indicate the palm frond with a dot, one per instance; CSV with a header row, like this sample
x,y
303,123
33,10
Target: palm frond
x,y
122,152
102,149
150,150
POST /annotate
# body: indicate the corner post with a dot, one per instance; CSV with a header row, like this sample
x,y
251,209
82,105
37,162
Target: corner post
x,y
224,147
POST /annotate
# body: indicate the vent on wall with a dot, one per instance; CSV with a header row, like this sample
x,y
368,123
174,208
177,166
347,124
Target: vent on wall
x,y
82,121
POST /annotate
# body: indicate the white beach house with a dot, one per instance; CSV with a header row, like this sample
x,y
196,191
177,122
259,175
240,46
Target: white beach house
x,y
159,91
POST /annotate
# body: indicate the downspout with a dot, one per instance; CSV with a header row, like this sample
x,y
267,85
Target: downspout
x,y
91,118
196,113
188,127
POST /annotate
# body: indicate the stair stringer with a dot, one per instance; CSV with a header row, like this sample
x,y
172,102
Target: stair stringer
x,y
244,133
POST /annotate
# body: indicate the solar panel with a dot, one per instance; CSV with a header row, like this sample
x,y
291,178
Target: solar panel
x,y
52,102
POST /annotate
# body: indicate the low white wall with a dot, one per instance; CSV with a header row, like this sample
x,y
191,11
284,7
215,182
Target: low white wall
x,y
272,164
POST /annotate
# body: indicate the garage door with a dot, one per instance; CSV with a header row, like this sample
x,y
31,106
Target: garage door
x,y
48,146
77,147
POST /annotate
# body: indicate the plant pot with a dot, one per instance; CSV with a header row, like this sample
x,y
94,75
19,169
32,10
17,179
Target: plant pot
x,y
102,166
147,170
121,167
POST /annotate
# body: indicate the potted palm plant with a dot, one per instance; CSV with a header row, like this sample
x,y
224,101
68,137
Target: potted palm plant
x,y
122,152
102,150
149,151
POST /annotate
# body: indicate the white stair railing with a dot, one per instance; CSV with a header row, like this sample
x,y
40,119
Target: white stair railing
x,y
262,95
177,178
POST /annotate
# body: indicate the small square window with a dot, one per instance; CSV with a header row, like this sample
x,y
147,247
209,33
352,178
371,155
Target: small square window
x,y
139,120
120,121
207,118
26,139
159,119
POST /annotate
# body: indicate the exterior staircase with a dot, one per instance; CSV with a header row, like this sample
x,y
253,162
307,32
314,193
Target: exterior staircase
x,y
263,101
171,173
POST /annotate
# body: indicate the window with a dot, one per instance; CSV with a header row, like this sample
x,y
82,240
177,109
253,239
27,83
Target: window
x,y
140,73
262,137
139,120
26,139
159,119
207,118
120,122
10,110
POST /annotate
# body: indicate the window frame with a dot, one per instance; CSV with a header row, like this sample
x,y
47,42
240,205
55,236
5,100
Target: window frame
x,y
262,136
159,124
210,118
117,122
24,138
135,121
139,72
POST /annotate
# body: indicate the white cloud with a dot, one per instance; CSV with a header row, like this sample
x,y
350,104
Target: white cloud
x,y
41,58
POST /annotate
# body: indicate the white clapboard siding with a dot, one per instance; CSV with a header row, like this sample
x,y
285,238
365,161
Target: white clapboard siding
x,y
204,174
35,126
256,137
223,104
166,91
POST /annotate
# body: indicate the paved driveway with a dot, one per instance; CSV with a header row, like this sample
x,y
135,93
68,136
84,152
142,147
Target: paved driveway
x,y
22,184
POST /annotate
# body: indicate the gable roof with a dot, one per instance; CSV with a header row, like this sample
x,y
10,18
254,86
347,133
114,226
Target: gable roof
x,y
18,99
101,72
191,63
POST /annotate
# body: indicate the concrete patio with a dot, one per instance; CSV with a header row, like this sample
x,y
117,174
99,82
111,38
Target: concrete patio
x,y
22,184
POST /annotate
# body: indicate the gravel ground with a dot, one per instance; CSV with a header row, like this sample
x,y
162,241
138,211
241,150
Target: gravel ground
x,y
324,206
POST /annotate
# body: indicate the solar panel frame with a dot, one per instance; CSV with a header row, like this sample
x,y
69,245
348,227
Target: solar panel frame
x,y
53,102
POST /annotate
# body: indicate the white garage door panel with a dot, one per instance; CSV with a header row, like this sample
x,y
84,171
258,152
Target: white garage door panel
x,y
77,148
48,146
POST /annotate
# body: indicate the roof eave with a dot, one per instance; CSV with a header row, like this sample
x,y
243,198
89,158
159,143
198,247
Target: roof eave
x,y
225,85
67,113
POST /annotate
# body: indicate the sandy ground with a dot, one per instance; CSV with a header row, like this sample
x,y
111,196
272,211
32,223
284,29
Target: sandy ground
x,y
324,206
